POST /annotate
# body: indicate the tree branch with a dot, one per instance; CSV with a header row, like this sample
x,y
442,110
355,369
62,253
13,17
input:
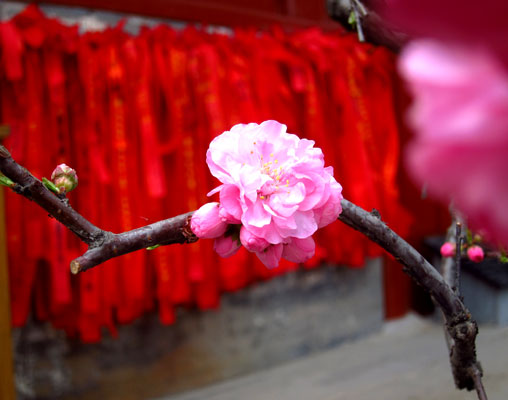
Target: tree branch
x,y
58,207
168,231
104,245
458,348
460,327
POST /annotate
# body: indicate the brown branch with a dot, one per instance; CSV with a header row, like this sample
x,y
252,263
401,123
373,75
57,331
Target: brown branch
x,y
477,374
104,245
458,344
460,327
414,263
58,207
168,231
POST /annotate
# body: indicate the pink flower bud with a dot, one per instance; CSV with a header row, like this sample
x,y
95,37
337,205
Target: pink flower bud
x,y
64,178
475,254
448,249
226,246
252,242
206,222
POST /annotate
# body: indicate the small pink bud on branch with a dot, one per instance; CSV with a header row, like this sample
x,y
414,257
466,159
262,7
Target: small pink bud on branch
x,y
206,223
64,178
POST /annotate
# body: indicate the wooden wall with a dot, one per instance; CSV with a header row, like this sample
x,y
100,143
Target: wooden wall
x,y
259,13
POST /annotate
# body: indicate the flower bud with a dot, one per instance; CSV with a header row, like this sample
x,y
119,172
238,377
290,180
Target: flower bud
x,y
252,242
475,254
226,246
64,178
448,249
206,222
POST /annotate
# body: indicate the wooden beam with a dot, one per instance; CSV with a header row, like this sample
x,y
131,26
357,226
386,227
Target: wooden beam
x,y
292,14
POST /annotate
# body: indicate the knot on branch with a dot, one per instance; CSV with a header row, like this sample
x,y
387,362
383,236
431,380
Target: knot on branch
x,y
100,238
187,233
462,327
465,330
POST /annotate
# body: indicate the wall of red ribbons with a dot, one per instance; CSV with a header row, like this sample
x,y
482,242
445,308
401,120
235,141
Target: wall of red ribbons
x,y
134,116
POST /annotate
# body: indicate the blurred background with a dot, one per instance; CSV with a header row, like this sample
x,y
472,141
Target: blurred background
x,y
130,94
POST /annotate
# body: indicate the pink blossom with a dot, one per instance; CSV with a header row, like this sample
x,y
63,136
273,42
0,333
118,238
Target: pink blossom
x,y
448,249
475,254
226,246
206,222
460,119
276,186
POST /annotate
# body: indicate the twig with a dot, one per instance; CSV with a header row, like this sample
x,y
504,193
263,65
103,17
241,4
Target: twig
x,y
455,283
477,374
355,5
448,270
448,263
104,245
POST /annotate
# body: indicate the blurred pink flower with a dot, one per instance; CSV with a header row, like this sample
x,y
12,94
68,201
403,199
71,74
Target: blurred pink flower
x,y
448,249
460,119
475,254
458,75
206,222
276,186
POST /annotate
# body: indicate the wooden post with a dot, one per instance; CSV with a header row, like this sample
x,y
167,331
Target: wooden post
x,y
6,360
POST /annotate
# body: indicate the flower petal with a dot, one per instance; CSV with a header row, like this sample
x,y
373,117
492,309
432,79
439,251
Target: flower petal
x,y
299,250
271,256
256,216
